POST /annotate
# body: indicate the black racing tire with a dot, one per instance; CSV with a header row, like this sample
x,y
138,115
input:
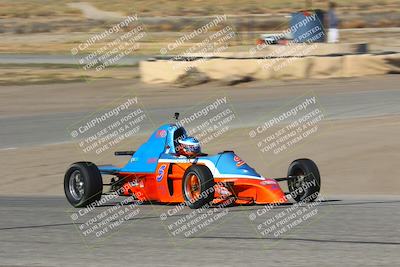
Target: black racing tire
x,y
197,194
83,184
306,188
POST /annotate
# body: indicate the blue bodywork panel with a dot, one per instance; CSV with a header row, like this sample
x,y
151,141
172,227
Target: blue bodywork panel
x,y
229,163
145,159
161,145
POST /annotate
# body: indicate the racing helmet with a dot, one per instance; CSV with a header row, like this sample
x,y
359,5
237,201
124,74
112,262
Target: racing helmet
x,y
188,146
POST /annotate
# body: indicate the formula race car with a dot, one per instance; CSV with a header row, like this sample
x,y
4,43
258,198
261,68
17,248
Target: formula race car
x,y
170,168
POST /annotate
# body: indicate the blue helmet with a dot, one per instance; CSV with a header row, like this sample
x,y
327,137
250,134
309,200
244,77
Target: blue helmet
x,y
188,146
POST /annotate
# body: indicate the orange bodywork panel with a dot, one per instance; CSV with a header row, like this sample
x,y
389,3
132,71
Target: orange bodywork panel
x,y
256,191
165,185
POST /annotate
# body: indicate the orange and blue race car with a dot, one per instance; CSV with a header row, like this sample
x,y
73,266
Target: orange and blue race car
x,y
170,168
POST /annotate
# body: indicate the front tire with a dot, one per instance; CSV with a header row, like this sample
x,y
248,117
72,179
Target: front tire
x,y
198,186
83,184
307,184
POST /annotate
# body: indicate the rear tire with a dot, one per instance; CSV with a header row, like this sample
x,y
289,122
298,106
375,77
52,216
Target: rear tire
x,y
198,186
306,188
83,184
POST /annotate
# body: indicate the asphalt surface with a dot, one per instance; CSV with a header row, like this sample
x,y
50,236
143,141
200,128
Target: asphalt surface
x,y
58,59
49,128
343,232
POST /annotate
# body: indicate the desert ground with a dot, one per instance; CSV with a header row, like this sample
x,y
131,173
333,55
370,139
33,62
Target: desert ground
x,y
355,147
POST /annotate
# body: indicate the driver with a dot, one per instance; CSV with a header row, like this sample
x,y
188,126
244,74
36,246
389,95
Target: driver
x,y
188,146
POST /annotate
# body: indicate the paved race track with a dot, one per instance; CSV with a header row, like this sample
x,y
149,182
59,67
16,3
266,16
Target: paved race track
x,y
344,232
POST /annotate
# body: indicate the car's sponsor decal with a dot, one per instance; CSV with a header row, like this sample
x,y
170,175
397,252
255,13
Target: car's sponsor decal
x,y
275,187
161,133
152,160
239,161
268,182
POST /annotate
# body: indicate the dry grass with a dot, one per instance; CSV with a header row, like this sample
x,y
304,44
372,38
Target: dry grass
x,y
35,8
20,75
49,8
